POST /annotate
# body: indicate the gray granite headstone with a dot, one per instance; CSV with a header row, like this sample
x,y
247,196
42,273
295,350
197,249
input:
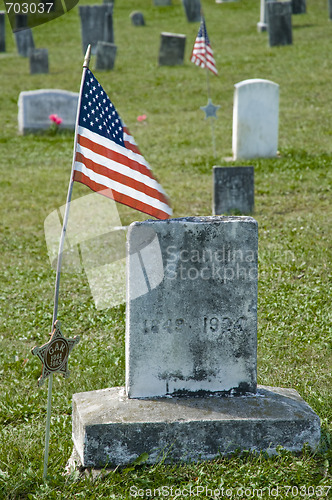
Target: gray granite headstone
x,y
233,190
35,107
105,55
24,41
172,46
96,25
191,306
2,31
39,61
193,10
137,18
330,9
298,6
279,20
160,3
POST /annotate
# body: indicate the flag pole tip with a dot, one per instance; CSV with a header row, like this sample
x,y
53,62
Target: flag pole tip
x,y
87,57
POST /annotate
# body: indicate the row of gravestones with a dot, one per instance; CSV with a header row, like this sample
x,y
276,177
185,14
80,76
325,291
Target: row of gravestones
x,y
255,115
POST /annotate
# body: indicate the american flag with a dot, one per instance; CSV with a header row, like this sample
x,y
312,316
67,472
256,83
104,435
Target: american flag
x,y
202,54
107,158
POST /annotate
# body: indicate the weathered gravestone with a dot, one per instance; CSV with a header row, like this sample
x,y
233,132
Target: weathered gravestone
x,y
190,354
35,107
105,55
233,190
39,61
23,35
96,25
279,20
255,119
137,18
2,31
193,10
298,6
171,51
262,24
330,9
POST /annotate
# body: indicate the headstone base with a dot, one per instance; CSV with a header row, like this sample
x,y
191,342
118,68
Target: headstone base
x,y
261,27
109,429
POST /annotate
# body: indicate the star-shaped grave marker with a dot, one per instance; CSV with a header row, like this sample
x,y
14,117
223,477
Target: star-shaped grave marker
x,y
210,109
54,354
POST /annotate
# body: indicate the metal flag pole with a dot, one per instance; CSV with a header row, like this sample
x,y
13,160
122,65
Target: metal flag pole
x,y
59,262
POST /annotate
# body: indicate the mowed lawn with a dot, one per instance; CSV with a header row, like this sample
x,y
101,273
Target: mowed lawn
x,y
292,207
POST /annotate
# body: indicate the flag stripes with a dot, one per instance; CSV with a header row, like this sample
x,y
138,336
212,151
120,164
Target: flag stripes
x,y
202,54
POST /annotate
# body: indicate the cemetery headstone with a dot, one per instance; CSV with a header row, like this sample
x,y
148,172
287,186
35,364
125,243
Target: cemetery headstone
x,y
39,61
262,24
190,345
21,21
279,19
2,31
255,119
96,24
171,51
330,9
137,18
160,3
298,6
35,107
105,55
23,35
193,10
233,190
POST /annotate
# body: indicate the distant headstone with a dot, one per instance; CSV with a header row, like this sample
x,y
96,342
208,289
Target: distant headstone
x,y
193,10
298,6
21,21
105,55
262,24
233,190
96,25
2,31
24,41
39,61
194,328
162,2
35,107
137,18
171,52
255,119
279,20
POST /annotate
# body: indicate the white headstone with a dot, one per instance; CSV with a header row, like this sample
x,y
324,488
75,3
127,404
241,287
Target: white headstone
x,y
255,119
35,107
191,323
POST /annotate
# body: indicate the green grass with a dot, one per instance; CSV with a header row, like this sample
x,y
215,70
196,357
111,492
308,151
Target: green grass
x,y
292,206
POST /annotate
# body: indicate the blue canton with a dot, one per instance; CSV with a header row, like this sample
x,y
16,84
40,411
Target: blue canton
x,y
97,113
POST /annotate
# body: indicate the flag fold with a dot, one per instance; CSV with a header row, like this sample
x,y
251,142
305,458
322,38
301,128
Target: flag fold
x,y
202,54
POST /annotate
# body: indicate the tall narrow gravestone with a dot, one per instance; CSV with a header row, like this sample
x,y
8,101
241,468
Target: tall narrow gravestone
x,y
298,6
96,23
255,119
2,31
330,8
192,9
23,35
233,190
171,51
279,20
191,321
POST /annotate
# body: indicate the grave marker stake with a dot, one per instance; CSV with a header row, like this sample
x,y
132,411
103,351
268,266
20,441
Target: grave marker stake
x,y
67,344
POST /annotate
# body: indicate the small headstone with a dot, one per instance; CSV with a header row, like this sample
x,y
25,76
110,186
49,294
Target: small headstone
x,y
193,10
233,190
192,330
137,18
24,42
255,119
21,21
160,3
2,31
279,20
262,24
105,55
39,61
330,9
35,107
96,25
298,6
172,46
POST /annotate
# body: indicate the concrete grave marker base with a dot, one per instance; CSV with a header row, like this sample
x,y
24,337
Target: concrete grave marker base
x,y
111,429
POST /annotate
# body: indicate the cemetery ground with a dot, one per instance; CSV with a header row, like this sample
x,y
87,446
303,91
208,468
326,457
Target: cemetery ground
x,y
292,207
